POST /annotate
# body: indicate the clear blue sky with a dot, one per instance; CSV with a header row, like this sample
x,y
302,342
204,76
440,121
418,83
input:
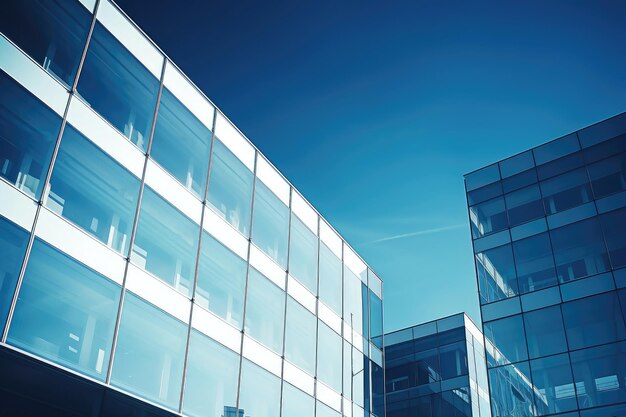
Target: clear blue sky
x,y
374,110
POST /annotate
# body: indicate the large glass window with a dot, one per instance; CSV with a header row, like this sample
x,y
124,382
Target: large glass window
x,y
544,332
181,143
300,336
150,353
303,254
330,279
323,410
566,191
297,403
28,132
453,360
166,242
488,217
608,176
512,391
524,205
259,393
221,281
613,225
593,321
534,263
579,250
271,224
329,357
353,302
211,378
52,32
13,241
65,312
496,273
376,320
265,311
93,191
119,87
554,385
506,336
230,188
426,368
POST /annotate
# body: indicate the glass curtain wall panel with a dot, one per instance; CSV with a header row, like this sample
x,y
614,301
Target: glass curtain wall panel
x,y
271,224
296,403
259,392
330,279
303,249
13,241
300,332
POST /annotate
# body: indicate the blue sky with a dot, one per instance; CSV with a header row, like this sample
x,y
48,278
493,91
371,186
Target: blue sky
x,y
374,110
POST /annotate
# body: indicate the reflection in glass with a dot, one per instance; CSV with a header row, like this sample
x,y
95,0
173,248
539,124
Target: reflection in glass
x,y
322,410
488,217
300,336
544,332
271,224
524,205
566,191
496,273
353,303
376,320
259,393
330,279
608,176
329,357
512,391
303,254
534,263
297,403
613,226
453,359
506,337
13,241
554,386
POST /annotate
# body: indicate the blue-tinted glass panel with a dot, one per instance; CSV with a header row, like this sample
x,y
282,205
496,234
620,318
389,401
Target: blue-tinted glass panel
x,y
378,390
453,360
554,385
524,205
455,403
483,194
425,368
211,378
608,176
579,250
181,144
93,191
353,301
376,320
613,224
330,279
496,271
52,32
516,164
65,312
603,130
605,149
508,340
230,188
28,132
221,281
566,191
482,177
271,224
265,311
560,166
556,149
166,242
488,217
13,241
534,263
259,393
119,87
303,254
297,403
593,321
150,353
322,410
545,334
300,336
519,180
512,391
329,357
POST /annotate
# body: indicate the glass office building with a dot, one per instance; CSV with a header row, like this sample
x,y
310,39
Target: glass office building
x,y
549,238
437,369
153,262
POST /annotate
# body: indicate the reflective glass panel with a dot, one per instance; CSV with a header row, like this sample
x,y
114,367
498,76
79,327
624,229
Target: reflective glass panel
x,y
554,385
166,242
613,225
427,368
376,320
352,300
329,357
322,410
13,241
330,279
150,353
544,332
496,271
211,378
300,336
28,132
259,393
566,191
608,176
93,191
303,254
65,312
119,87
534,263
52,32
488,217
271,224
221,281
181,144
297,403
453,360
512,391
524,205
507,337
230,188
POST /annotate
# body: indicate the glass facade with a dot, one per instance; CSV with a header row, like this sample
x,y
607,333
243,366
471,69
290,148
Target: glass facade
x,y
437,369
151,264
551,275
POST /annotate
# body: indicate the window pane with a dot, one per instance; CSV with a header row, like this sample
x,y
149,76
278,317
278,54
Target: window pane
x,y
329,357
65,312
265,311
28,132
566,191
150,353
211,379
330,279
259,393
453,359
181,144
230,188
221,281
166,242
496,271
376,320
93,191
13,241
378,390
119,87
488,217
524,205
593,321
554,386
300,336
608,176
323,410
613,224
303,254
358,387
507,336
352,300
544,332
297,403
534,263
427,368
579,250
271,224
512,391
52,32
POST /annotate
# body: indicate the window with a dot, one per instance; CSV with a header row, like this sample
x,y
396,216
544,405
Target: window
x,y
544,332
119,87
150,353
566,191
166,242
28,133
353,302
303,254
512,391
554,385
265,311
329,357
271,224
221,281
507,338
65,312
376,320
230,188
13,241
579,250
608,176
496,272
323,410
330,279
300,336
427,367
534,263
211,378
259,393
93,191
488,217
524,205
181,144
52,32
297,403
613,225
453,360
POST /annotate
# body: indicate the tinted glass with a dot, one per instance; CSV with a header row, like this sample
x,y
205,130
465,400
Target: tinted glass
x,y
554,385
376,320
28,132
544,332
329,357
300,336
608,176
512,391
352,300
613,225
453,360
259,393
322,410
303,254
330,279
534,263
507,335
566,191
488,217
524,205
296,403
13,241
496,271
271,224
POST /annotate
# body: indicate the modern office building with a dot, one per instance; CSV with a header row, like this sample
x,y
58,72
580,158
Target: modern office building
x,y
153,262
437,369
549,237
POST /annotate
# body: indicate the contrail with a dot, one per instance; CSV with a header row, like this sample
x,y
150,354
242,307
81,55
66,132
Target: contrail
x,y
418,233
